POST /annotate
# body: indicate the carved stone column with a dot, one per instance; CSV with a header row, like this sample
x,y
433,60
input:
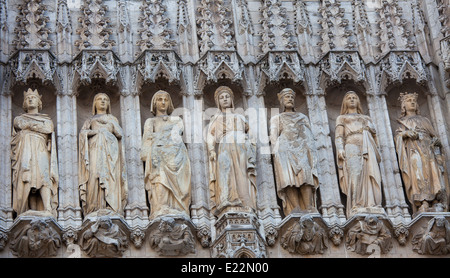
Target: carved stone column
x,y
5,150
332,209
136,211
268,209
395,204
69,211
193,134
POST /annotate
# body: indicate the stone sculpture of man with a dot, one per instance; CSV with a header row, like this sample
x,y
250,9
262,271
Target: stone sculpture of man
x,y
357,157
34,160
232,157
421,159
294,156
167,166
102,171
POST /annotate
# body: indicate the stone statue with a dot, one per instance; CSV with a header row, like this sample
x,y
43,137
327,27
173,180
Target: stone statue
x,y
167,166
368,233
102,172
232,155
37,239
435,239
305,237
33,159
357,157
104,239
294,157
172,238
421,160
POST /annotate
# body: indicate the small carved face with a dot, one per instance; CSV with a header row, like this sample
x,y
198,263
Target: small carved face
x,y
32,101
410,104
102,102
288,100
352,100
225,100
162,103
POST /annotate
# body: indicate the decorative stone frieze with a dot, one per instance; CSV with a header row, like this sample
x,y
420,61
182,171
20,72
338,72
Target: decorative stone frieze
x,y
397,66
216,65
238,236
36,64
154,64
96,64
338,66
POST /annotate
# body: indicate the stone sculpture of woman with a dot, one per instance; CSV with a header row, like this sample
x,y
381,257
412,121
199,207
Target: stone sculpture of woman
x,y
34,161
167,166
102,172
357,157
232,173
421,159
294,156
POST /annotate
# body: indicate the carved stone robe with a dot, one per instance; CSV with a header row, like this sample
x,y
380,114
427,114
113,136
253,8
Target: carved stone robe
x,y
422,174
359,172
34,160
167,166
294,157
232,175
102,171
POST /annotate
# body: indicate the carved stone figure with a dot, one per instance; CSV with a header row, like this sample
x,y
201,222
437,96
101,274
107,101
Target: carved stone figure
x,y
357,157
104,239
172,238
305,237
367,233
37,239
421,159
435,239
294,157
167,166
33,159
102,170
232,173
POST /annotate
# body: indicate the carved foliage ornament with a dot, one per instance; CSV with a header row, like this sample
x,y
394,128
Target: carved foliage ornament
x,y
32,31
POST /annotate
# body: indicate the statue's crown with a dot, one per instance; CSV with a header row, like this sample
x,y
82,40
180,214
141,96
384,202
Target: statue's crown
x,y
31,92
405,95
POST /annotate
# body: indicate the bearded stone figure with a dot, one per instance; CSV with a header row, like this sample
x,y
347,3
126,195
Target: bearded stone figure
x,y
167,166
34,160
102,172
357,157
294,157
232,174
421,159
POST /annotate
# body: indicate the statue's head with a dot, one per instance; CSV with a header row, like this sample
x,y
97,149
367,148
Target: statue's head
x,y
161,101
286,98
351,100
31,99
408,102
224,98
101,101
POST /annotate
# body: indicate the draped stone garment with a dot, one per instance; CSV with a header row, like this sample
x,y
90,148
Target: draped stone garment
x,y
232,174
359,172
34,160
418,162
294,156
102,170
167,166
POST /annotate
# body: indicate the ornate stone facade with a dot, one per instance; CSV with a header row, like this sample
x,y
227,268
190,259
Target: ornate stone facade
x,y
70,50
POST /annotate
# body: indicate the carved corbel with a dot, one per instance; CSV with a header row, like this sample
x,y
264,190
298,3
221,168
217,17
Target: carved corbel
x,y
137,236
35,237
401,232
